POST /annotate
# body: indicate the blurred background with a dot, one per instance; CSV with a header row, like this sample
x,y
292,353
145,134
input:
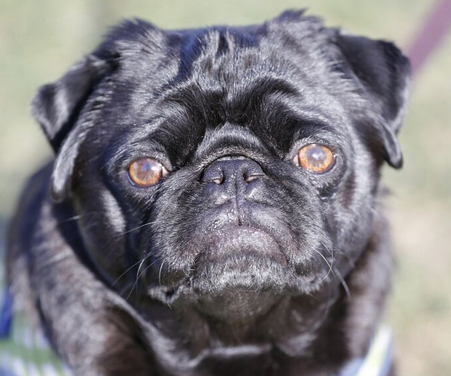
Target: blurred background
x,y
39,40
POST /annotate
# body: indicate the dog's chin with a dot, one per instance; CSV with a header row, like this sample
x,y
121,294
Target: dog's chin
x,y
239,287
240,273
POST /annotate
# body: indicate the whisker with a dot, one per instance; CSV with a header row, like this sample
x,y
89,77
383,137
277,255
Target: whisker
x,y
134,229
126,271
159,272
343,283
328,264
54,259
74,218
140,273
350,261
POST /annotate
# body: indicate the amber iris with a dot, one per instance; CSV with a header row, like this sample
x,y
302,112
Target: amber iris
x,y
145,172
315,158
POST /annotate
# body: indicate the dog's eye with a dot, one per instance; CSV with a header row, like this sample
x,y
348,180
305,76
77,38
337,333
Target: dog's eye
x,y
145,172
315,158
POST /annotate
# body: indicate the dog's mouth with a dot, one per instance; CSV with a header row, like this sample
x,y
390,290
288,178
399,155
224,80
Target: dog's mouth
x,y
238,245
239,252
238,271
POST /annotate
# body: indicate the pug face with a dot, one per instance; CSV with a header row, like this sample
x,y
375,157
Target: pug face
x,y
225,168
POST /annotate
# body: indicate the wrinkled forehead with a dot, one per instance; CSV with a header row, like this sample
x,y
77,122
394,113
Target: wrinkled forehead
x,y
264,80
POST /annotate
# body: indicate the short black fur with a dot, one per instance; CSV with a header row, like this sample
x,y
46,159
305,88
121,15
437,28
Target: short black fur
x,y
238,262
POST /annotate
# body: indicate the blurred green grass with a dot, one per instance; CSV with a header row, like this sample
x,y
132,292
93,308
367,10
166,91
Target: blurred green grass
x,y
39,40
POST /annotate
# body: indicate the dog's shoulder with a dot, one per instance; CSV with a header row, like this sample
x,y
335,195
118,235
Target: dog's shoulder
x,y
25,220
22,228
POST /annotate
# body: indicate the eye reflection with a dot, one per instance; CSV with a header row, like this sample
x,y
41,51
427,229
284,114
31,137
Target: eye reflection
x,y
315,158
146,172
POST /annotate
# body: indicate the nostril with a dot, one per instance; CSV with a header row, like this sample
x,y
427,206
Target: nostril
x,y
229,171
217,181
253,176
252,171
213,175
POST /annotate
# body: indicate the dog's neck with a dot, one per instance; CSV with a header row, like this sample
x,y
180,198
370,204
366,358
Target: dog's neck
x,y
289,319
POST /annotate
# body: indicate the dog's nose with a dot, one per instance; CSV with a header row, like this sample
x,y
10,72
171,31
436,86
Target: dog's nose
x,y
234,175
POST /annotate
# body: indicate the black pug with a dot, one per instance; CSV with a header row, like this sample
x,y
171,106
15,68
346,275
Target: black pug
x,y
213,206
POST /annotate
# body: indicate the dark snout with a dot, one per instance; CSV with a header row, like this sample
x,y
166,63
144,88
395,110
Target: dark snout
x,y
234,232
233,178
243,231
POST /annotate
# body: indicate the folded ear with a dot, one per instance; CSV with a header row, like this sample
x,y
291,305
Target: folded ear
x,y
384,72
57,107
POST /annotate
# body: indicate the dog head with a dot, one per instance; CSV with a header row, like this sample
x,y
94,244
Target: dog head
x,y
208,166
